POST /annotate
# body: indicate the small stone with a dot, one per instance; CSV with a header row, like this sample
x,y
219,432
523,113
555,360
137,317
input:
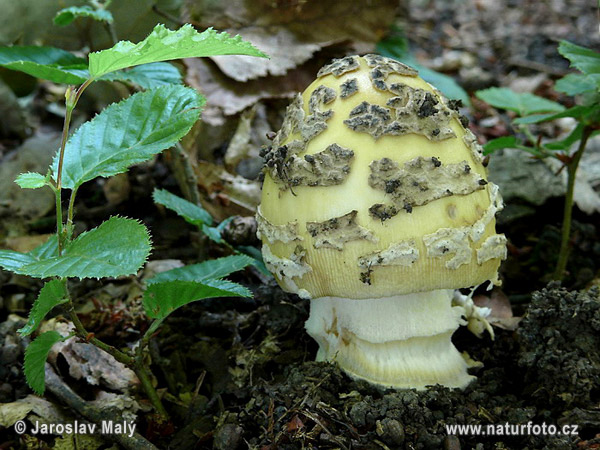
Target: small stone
x,y
451,443
391,431
228,437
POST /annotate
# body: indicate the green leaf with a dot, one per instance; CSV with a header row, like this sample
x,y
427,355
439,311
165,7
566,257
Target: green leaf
x,y
47,250
577,83
31,180
446,84
165,45
148,76
67,15
52,294
258,259
215,233
498,143
14,261
194,214
47,63
521,103
566,143
582,58
161,299
579,112
129,132
35,360
214,268
117,247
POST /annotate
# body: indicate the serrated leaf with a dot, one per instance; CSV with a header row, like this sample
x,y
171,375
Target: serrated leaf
x,y
582,58
258,262
521,103
47,250
165,45
117,247
214,268
68,15
214,233
577,83
31,180
498,143
47,63
129,132
194,214
148,76
161,299
14,261
52,294
36,354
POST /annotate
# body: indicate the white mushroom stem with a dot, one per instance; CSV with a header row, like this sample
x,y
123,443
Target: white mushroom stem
x,y
402,341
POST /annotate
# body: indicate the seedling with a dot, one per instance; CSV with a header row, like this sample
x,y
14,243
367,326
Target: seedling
x,y
126,133
532,109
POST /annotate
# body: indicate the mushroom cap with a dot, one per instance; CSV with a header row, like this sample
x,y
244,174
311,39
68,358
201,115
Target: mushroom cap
x,y
374,188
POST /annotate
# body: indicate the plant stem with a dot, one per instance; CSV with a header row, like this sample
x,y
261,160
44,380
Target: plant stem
x,y
72,97
134,363
143,373
70,213
184,173
568,211
146,381
84,334
59,223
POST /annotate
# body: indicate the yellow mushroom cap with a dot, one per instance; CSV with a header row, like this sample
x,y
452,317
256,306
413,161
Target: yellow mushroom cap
x,y
374,188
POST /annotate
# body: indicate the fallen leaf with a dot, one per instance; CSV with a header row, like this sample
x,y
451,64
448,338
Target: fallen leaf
x,y
501,314
283,47
225,194
25,244
87,362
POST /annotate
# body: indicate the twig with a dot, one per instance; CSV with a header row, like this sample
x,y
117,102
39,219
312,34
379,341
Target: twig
x,y
135,363
572,166
59,388
167,16
184,173
540,67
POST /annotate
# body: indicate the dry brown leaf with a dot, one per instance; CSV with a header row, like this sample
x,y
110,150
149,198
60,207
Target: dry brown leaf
x,y
230,97
284,49
88,362
243,153
501,314
25,244
311,21
117,188
224,194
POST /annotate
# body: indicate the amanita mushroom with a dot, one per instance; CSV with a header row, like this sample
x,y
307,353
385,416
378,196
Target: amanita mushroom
x,y
376,206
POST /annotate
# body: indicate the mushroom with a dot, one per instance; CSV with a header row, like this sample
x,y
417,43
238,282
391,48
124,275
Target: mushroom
x,y
377,207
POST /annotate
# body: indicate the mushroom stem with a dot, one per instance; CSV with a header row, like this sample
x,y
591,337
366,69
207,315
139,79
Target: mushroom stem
x,y
402,341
